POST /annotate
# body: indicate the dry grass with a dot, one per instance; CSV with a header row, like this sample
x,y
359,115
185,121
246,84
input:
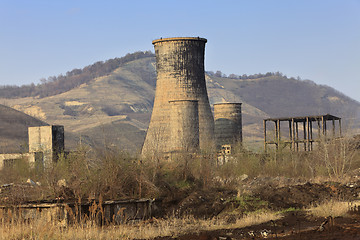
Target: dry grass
x,y
331,208
141,230
255,218
333,159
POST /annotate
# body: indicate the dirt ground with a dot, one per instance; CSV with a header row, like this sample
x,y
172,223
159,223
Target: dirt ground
x,y
295,225
276,194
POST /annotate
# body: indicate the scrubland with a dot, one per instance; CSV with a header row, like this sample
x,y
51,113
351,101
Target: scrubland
x,y
88,174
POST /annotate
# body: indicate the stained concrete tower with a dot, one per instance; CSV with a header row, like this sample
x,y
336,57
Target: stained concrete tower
x,y
180,76
228,123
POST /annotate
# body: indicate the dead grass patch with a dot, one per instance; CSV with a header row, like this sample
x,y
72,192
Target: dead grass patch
x,y
333,208
141,230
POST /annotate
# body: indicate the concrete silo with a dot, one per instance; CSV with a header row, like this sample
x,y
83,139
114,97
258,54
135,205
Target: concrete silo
x,y
180,76
228,123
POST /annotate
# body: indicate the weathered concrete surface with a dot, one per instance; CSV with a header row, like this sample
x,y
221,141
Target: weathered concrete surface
x,y
64,213
47,139
228,123
9,159
180,76
46,143
184,126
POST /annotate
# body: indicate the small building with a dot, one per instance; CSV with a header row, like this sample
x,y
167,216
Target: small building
x,y
48,140
46,144
224,154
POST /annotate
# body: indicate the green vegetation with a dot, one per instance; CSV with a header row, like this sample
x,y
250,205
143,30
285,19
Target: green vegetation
x,y
290,209
245,204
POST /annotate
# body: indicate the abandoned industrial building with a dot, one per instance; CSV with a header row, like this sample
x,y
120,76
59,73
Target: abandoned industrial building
x,y
307,137
46,144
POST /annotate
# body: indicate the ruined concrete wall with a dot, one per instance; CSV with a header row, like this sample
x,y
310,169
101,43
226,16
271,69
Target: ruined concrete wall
x,y
9,159
46,143
62,214
180,76
50,213
228,123
184,126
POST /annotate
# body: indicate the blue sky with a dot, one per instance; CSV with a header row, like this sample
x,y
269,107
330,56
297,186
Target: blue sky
x,y
314,39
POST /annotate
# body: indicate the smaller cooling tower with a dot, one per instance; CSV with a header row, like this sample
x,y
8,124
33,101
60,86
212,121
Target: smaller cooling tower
x,y
184,125
228,123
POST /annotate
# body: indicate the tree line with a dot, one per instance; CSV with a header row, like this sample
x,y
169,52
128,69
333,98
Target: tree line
x,y
58,84
245,76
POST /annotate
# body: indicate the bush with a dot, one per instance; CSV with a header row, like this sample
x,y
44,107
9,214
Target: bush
x,y
109,174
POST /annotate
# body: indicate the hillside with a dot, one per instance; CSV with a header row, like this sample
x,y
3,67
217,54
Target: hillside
x,y
115,109
13,130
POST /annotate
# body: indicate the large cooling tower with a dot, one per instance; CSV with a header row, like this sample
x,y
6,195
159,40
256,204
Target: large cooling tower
x,y
180,76
228,123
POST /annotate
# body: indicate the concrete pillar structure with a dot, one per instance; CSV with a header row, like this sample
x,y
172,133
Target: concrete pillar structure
x,y
48,140
180,76
228,123
184,126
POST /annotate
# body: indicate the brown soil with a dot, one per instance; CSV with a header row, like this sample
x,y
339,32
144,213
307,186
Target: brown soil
x,y
277,193
303,195
293,226
271,193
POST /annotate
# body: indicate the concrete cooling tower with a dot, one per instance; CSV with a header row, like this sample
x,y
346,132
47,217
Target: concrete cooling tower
x,y
180,77
228,123
184,126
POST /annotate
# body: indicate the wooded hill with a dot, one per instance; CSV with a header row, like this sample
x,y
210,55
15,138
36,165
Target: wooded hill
x,y
58,84
110,103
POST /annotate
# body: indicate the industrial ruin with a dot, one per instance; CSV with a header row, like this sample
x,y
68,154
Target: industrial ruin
x,y
182,120
65,213
46,143
307,137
